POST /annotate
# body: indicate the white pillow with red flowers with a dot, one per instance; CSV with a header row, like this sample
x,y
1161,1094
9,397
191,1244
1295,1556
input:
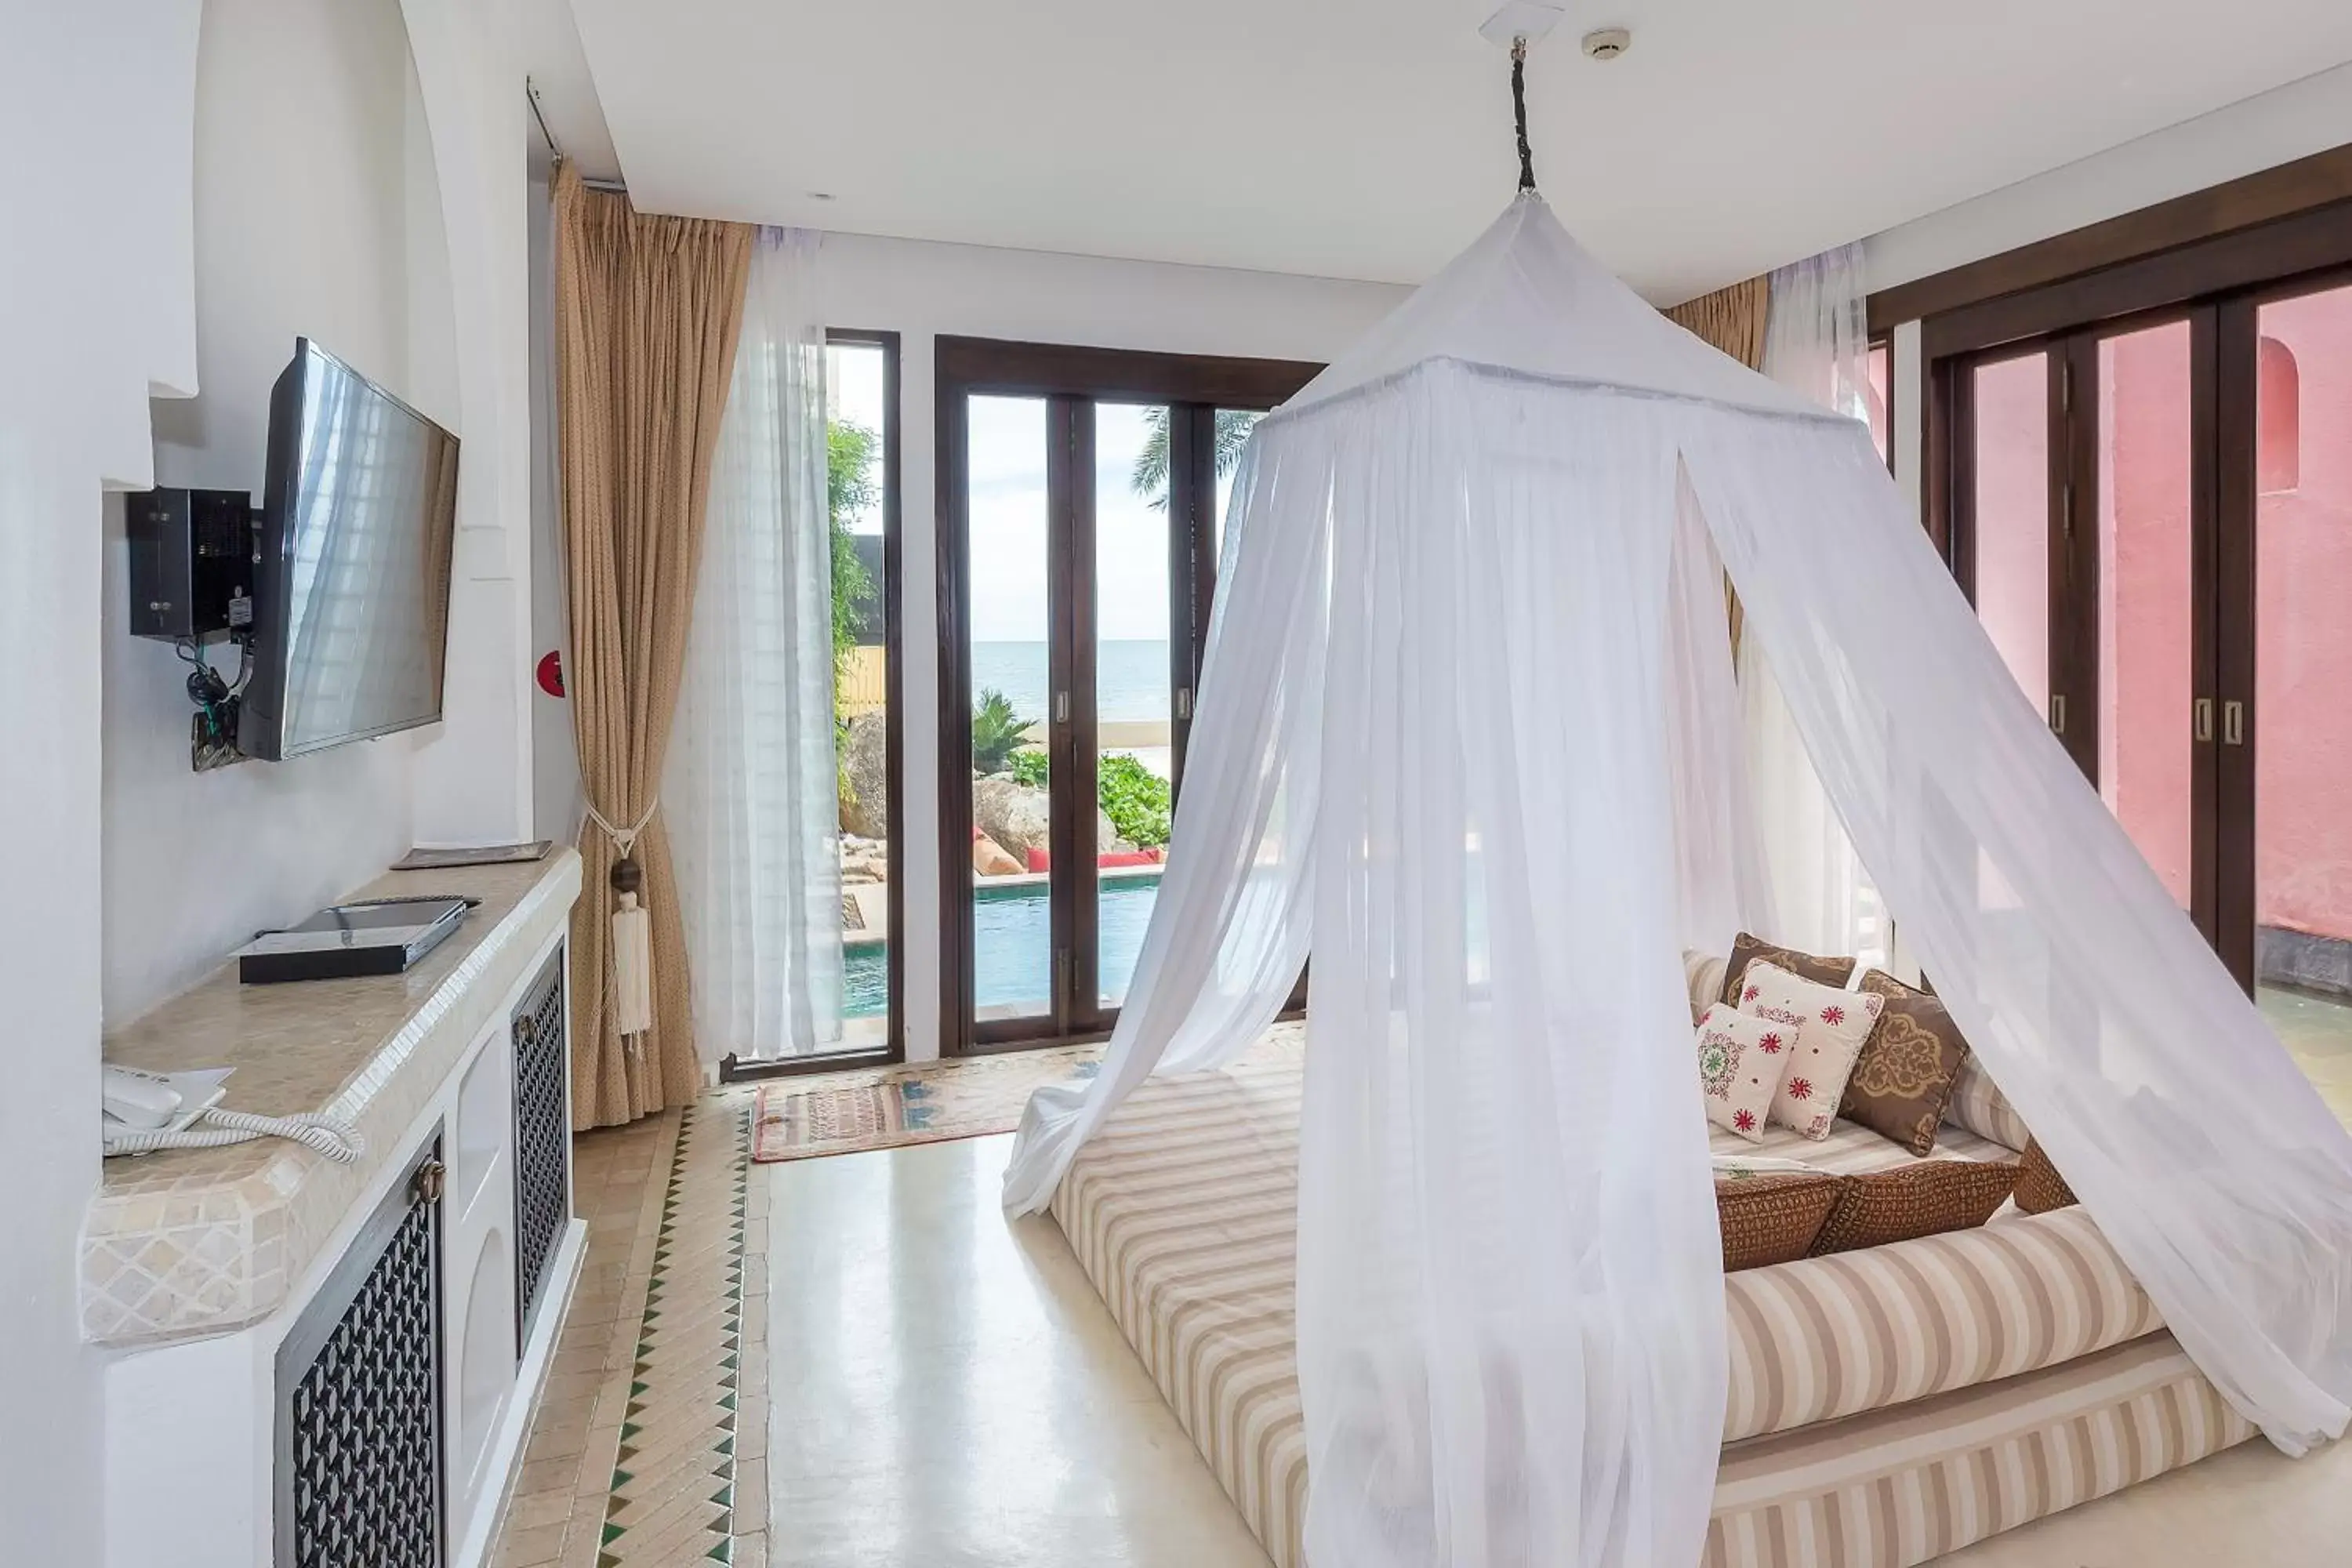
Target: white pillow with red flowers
x,y
1829,1025
1739,1062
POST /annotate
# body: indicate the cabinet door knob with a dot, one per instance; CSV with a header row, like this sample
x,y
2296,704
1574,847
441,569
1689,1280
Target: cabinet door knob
x,y
431,1177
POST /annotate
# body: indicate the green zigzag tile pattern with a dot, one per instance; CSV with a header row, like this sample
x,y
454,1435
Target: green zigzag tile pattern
x,y
672,1498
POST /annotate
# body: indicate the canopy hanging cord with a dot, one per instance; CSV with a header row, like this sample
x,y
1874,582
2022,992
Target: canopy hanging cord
x,y
1520,113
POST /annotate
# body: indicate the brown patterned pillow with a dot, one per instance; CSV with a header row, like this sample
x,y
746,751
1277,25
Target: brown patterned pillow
x,y
1904,1077
1821,970
1773,1218
1926,1198
2040,1187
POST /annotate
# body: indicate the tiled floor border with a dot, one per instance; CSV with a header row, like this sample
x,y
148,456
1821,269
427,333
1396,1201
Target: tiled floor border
x,y
649,1443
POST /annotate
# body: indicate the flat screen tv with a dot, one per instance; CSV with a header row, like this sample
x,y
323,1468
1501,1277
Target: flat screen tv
x,y
351,594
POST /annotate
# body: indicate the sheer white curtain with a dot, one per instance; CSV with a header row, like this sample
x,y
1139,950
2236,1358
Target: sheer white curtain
x,y
2205,1155
1436,731
751,784
1816,342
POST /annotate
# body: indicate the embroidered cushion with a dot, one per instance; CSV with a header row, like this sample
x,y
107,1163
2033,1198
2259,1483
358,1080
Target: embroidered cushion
x,y
1746,949
1831,1025
1904,1077
1739,1062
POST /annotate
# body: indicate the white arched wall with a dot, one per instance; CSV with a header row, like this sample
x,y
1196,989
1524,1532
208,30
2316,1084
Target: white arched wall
x,y
474,779
360,172
106,300
96,311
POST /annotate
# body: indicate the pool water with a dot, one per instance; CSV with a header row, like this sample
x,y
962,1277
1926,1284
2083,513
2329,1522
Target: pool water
x,y
1013,947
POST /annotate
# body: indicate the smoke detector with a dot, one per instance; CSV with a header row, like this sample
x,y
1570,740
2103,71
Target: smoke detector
x,y
1607,43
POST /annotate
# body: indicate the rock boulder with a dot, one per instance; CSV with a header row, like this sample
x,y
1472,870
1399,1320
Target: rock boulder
x,y
1021,818
866,770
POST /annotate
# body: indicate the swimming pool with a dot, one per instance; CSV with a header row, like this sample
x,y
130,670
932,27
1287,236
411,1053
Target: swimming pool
x,y
1013,946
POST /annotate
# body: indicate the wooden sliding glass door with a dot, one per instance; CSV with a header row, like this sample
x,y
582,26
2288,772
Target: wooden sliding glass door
x,y
1081,497
2153,516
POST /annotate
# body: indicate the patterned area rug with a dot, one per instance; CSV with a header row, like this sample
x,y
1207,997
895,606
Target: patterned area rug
x,y
882,1108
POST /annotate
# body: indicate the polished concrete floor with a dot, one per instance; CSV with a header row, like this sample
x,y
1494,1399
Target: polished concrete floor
x,y
949,1391
952,1393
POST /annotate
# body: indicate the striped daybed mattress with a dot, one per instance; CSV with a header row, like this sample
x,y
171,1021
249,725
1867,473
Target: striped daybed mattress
x,y
1885,1406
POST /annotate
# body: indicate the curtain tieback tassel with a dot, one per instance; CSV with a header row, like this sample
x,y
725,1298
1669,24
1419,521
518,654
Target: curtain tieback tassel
x,y
632,936
633,955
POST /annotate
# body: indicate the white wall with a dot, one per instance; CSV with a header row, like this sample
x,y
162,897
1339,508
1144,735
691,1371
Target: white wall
x,y
95,108
473,775
313,217
921,290
555,755
2261,133
2256,133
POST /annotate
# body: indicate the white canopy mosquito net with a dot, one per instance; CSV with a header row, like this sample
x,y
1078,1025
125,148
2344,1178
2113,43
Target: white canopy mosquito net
x,y
1467,731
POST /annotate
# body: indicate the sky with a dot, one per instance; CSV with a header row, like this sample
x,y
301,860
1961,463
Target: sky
x,y
1007,514
1007,555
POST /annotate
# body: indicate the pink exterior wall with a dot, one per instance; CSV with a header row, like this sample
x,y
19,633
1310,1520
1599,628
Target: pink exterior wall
x,y
2146,636
2012,516
2304,588
2302,655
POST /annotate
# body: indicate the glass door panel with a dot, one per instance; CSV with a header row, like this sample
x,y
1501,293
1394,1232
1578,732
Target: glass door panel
x,y
1010,636
858,384
2010,528
2147,687
2302,831
1134,755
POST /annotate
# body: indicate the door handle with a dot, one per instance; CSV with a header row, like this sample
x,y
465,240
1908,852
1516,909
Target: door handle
x,y
2234,723
2058,714
1061,707
2204,709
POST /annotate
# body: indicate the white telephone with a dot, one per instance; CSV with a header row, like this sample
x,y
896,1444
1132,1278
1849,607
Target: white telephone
x,y
145,1111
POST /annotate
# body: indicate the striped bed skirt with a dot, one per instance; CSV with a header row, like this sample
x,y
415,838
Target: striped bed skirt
x,y
2051,1381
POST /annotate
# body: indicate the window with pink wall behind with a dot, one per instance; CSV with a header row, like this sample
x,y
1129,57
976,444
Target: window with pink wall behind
x,y
2147,647
2012,516
2303,650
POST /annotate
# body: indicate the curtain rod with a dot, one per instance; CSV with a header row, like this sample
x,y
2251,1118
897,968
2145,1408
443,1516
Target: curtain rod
x,y
530,92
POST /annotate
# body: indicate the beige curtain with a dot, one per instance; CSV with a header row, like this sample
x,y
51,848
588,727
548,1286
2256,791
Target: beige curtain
x,y
648,311
1731,319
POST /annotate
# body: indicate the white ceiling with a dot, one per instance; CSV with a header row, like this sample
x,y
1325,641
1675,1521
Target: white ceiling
x,y
1371,138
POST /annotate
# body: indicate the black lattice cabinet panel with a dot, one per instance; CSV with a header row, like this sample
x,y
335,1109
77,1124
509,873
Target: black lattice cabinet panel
x,y
542,1140
359,1480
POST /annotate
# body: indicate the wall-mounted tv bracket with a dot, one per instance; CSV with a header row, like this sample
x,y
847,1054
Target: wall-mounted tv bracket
x,y
192,559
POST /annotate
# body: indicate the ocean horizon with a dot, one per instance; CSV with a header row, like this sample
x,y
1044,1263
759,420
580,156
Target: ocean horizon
x,y
1130,678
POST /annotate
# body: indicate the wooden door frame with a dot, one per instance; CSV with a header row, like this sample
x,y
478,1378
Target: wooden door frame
x,y
2073,400
1072,378
2218,282
2238,486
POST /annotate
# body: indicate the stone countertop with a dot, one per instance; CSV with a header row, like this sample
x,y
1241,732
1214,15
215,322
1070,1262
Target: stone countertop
x,y
186,1243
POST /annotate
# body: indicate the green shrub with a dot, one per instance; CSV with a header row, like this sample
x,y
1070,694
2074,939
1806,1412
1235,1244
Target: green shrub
x,y
1136,799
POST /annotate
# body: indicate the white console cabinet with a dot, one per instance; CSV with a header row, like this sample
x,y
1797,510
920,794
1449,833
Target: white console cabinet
x,y
314,1365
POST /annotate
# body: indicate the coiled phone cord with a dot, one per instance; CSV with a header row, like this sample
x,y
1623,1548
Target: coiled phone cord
x,y
325,1135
